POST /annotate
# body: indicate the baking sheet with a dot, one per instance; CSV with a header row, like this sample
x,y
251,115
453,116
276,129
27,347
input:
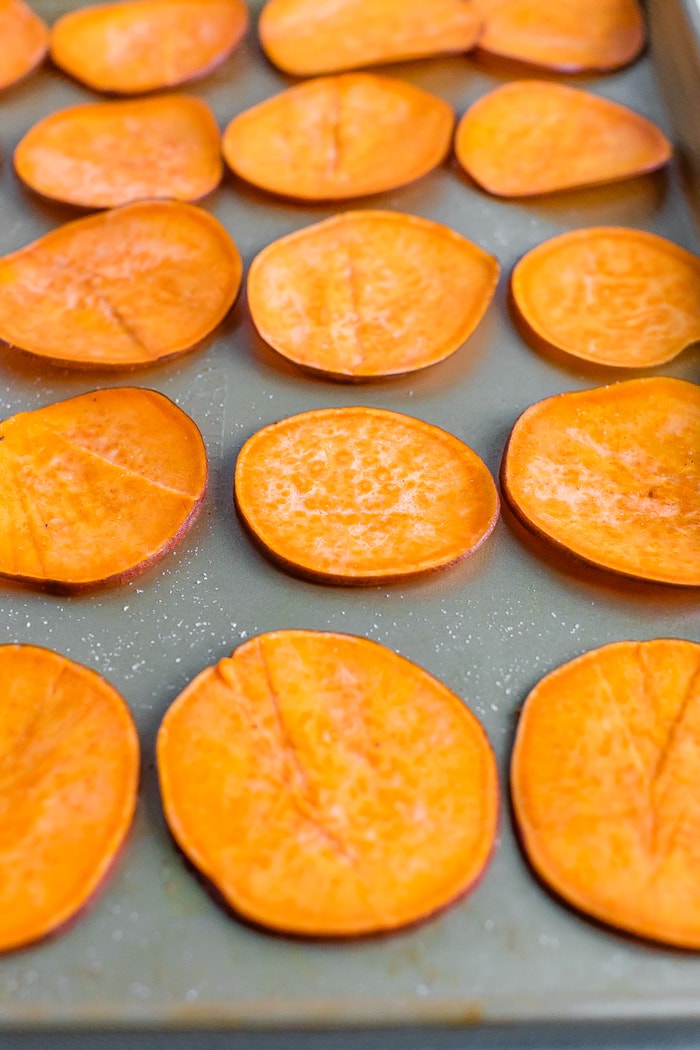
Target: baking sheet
x,y
154,948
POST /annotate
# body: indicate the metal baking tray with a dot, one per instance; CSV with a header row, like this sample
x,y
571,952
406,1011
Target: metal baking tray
x,y
154,949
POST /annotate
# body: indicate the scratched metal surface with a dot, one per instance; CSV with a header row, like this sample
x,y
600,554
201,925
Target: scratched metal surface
x,y
154,949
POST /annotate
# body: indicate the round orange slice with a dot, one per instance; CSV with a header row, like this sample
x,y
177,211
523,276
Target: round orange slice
x,y
370,293
610,295
532,136
308,37
120,289
96,488
360,495
102,154
340,136
24,41
604,780
141,45
327,786
612,475
68,779
566,35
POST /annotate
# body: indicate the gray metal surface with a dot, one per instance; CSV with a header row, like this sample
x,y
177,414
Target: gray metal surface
x,y
154,949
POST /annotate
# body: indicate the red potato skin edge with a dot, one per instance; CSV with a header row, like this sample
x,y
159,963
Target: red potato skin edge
x,y
239,915
140,366
579,911
64,926
568,358
541,535
358,581
62,587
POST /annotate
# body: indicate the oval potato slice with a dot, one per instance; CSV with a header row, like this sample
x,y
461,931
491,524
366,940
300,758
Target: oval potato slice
x,y
102,154
337,137
360,495
95,489
610,295
143,45
327,786
308,37
612,475
532,136
121,289
24,41
69,775
569,36
370,293
604,782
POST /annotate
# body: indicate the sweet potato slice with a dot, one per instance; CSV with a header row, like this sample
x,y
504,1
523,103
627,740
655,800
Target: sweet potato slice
x,y
339,137
359,495
612,476
69,763
370,293
610,295
102,154
604,780
530,137
327,786
96,488
566,35
141,45
307,37
120,289
24,41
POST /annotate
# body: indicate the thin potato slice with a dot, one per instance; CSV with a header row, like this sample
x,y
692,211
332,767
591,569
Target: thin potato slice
x,y
102,154
610,295
24,41
120,289
142,45
370,293
566,35
339,137
95,489
327,786
604,779
531,136
360,495
69,764
612,476
307,37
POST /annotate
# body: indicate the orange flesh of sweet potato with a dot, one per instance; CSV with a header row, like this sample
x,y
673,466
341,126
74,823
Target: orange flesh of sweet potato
x,y
339,137
530,137
69,761
565,35
612,475
142,45
327,786
604,780
368,294
96,488
307,37
102,154
24,41
357,495
614,296
122,288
